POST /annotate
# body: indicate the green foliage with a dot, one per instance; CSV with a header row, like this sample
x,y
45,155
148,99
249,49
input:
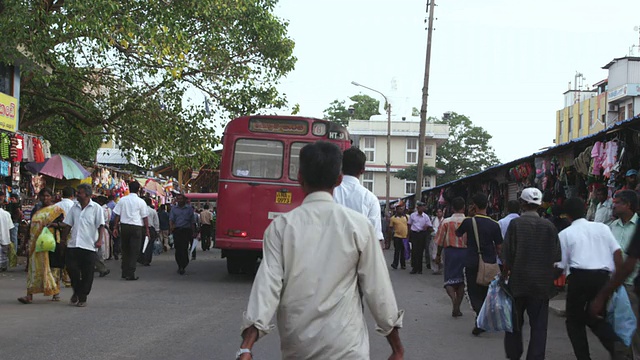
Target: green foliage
x,y
467,150
364,106
78,144
123,67
415,111
411,172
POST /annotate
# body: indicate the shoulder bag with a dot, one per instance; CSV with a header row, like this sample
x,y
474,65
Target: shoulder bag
x,y
486,272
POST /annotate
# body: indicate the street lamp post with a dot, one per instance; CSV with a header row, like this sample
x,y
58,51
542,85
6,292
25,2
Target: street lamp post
x,y
388,164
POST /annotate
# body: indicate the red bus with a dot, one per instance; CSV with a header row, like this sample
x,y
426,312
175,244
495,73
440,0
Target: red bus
x,y
198,200
259,179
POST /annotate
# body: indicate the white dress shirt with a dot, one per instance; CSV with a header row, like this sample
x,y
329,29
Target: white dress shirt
x,y
154,222
604,212
504,223
66,205
588,246
357,197
85,224
318,259
6,224
131,209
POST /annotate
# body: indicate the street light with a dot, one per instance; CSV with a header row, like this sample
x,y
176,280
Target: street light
x,y
388,164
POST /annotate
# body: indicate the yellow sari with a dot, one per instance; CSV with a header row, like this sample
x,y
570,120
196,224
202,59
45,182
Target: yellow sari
x,y
40,277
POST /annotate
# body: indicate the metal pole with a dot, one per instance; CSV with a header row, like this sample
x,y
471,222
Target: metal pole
x,y
423,108
388,164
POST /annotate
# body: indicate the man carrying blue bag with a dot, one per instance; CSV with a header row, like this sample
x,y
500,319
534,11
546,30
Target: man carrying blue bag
x,y
531,248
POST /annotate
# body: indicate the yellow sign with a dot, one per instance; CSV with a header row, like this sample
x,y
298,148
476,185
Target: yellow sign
x,y
283,197
8,113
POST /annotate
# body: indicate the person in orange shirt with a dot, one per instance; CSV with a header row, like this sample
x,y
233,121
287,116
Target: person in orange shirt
x,y
398,223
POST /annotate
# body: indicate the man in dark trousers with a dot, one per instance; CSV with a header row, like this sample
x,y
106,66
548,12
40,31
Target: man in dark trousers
x,y
182,225
132,218
490,240
531,248
591,253
420,226
86,219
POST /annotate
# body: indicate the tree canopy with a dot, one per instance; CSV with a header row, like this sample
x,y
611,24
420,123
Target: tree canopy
x,y
411,172
364,106
139,70
467,150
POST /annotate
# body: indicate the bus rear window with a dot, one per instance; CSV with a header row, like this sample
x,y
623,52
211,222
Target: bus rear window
x,y
294,159
255,158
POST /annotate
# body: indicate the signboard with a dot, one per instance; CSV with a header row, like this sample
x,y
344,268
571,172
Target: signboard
x,y
8,113
278,126
623,91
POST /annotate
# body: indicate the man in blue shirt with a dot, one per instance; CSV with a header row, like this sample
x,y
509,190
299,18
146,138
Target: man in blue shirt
x,y
181,222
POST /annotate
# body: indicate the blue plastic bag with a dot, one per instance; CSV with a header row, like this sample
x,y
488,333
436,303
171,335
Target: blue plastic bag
x,y
496,314
620,316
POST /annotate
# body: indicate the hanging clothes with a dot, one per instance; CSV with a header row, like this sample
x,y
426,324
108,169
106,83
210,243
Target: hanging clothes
x,y
46,148
17,145
28,149
38,153
5,146
611,157
598,156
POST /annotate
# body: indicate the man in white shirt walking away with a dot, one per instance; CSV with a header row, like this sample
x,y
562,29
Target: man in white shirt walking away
x,y
131,216
353,195
318,260
591,253
513,207
86,219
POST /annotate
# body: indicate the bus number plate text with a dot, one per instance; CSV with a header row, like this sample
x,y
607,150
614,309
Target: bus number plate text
x,y
283,197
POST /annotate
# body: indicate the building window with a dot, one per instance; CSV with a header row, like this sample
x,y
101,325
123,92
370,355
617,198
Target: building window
x,y
367,180
630,111
412,151
591,119
6,79
570,130
580,123
370,148
428,150
409,187
426,182
560,127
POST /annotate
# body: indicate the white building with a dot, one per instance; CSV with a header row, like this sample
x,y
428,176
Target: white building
x,y
371,137
623,95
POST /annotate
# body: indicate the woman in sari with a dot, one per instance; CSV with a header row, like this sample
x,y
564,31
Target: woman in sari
x,y
40,277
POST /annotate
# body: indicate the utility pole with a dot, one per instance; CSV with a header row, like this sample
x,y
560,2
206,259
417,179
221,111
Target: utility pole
x,y
423,108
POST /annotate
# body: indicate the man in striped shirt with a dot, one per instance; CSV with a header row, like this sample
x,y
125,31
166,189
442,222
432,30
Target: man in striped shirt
x,y
455,248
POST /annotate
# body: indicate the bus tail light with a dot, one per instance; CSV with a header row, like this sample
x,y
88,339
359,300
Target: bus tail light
x,y
237,233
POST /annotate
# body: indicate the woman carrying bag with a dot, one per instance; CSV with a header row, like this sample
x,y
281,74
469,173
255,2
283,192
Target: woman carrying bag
x,y
41,278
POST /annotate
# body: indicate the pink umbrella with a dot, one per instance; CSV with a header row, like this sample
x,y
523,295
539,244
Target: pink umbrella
x,y
63,167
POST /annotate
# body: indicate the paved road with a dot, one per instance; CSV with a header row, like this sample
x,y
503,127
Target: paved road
x,y
167,316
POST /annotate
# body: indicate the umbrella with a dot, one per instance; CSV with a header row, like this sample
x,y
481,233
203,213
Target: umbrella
x,y
154,187
60,167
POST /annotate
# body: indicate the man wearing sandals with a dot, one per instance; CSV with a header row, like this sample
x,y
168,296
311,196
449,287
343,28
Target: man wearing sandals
x,y
86,219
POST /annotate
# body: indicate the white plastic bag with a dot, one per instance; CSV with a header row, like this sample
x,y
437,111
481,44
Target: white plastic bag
x,y
146,243
496,313
620,316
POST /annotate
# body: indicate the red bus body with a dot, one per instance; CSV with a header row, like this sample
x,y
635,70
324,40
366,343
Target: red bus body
x,y
258,179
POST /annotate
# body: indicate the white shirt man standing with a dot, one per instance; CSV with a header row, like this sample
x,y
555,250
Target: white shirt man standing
x,y
353,195
604,209
6,224
318,260
86,219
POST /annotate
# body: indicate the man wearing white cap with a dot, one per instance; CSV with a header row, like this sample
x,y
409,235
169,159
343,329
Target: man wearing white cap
x,y
530,249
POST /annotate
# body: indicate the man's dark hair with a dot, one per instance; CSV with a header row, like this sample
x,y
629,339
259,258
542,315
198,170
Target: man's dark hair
x,y
457,203
602,190
88,190
163,207
629,197
353,161
513,206
575,208
68,192
206,206
320,164
134,187
480,200
148,202
45,191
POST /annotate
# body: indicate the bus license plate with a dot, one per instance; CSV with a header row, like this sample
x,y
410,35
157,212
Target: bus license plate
x,y
283,197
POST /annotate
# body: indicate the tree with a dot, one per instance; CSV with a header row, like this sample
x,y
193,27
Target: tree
x,y
122,69
364,106
467,151
411,172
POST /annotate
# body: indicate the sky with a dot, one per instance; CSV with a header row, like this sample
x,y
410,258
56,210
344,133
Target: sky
x,y
505,64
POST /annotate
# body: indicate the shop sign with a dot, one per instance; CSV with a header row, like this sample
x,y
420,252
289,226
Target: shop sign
x,y
623,91
8,113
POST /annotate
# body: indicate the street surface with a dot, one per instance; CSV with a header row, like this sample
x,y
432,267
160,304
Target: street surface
x,y
197,316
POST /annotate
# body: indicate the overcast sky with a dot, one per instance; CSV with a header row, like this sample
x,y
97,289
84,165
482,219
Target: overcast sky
x,y
503,63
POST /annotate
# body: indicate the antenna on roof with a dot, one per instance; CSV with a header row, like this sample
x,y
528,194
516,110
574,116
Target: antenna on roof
x,y
635,28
